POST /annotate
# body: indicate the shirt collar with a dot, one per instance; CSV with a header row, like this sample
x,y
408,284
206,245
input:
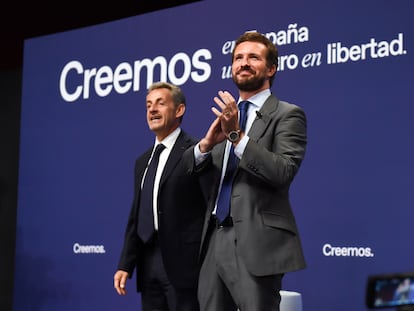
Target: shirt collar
x,y
169,141
258,99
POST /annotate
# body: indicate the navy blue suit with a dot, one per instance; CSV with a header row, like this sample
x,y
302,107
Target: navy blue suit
x,y
181,210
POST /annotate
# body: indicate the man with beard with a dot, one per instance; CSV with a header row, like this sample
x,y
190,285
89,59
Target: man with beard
x,y
250,236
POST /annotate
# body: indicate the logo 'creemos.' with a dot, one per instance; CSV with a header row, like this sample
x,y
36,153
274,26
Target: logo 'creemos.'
x,y
88,249
346,251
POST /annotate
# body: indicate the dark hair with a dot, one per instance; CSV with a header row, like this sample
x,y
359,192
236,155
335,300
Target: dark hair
x,y
272,52
176,93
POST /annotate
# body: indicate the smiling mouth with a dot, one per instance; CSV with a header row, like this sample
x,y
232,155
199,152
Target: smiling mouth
x,y
245,71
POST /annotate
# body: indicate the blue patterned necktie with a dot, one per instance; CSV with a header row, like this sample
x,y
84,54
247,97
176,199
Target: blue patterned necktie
x,y
146,215
223,203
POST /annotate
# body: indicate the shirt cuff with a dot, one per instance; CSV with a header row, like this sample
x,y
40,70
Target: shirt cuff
x,y
200,156
241,146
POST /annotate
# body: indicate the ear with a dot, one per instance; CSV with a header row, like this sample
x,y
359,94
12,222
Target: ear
x,y
271,71
179,112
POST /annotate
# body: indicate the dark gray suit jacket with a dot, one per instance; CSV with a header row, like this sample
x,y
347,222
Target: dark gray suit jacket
x,y
267,236
181,210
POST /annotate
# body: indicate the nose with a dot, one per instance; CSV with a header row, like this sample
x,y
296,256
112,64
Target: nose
x,y
244,61
152,108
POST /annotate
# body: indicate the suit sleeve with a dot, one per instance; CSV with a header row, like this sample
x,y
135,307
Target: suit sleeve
x,y
128,258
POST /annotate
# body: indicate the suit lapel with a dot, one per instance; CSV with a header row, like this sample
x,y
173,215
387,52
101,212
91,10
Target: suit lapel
x,y
267,112
142,164
182,143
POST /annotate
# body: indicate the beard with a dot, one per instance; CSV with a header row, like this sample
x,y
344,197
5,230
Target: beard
x,y
250,84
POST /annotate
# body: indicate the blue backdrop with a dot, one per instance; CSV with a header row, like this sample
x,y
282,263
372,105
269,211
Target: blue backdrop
x,y
349,65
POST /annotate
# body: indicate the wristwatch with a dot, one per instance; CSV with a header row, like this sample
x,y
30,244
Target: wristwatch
x,y
233,136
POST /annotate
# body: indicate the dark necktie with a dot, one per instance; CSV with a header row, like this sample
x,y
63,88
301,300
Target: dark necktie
x,y
146,215
223,203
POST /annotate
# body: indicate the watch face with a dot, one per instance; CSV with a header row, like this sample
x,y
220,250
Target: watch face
x,y
233,136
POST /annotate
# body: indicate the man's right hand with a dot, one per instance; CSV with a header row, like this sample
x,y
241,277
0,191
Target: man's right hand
x,y
120,279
